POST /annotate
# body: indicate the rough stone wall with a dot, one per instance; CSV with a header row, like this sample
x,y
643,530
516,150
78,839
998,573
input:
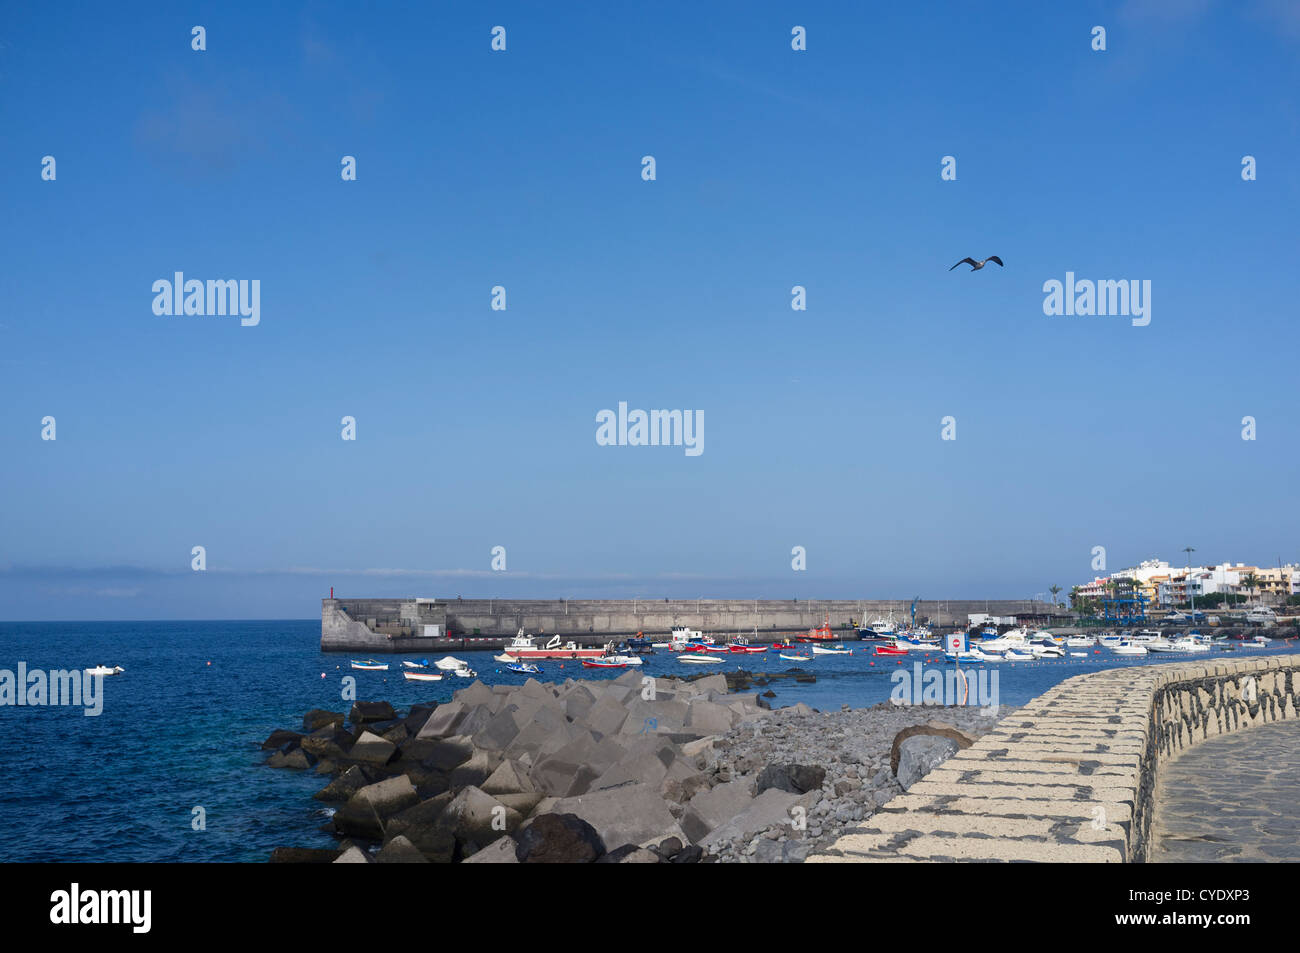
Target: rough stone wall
x,y
1071,776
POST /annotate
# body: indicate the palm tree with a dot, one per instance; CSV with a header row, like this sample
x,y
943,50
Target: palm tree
x,y
1252,581
1054,590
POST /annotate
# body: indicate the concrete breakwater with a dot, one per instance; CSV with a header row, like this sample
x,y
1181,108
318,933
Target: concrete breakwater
x,y
1071,776
407,625
633,769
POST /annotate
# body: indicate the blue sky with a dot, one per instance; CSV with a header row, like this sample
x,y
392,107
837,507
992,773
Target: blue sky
x,y
775,168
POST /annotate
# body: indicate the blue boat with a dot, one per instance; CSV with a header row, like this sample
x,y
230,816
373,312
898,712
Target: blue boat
x,y
524,668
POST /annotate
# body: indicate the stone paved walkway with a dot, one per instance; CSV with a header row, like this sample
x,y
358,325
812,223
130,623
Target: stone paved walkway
x,y
1232,798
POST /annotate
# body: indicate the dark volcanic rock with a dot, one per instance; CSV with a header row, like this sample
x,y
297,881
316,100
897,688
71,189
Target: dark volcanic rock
x,y
318,718
279,738
558,839
792,778
366,713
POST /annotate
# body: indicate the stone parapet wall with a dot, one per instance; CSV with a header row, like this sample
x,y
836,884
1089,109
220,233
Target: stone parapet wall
x,y
1071,776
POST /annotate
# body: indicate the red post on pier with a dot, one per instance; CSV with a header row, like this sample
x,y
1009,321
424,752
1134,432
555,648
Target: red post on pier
x,y
331,592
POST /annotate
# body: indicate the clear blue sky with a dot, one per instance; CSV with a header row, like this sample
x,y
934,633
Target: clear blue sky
x,y
476,428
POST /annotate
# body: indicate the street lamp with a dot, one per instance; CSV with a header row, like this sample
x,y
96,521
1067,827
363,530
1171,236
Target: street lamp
x,y
1190,591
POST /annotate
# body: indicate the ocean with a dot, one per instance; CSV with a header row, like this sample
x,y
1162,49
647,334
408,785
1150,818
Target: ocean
x,y
181,730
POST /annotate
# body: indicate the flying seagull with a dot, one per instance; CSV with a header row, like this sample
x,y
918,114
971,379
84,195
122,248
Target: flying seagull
x,y
977,265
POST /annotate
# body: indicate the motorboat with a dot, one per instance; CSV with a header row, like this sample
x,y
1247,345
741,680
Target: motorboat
x,y
796,658
697,659
1190,645
105,670
603,663
1040,650
889,650
524,668
1080,641
464,672
370,665
623,659
413,676
409,663
1160,645
1129,648
1013,656
832,650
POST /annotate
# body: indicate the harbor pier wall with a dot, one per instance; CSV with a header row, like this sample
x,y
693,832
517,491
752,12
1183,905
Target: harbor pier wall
x,y
396,625
1071,776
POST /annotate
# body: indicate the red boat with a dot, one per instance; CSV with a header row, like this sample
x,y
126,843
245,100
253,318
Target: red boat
x,y
822,633
704,647
746,648
889,650
781,646
599,663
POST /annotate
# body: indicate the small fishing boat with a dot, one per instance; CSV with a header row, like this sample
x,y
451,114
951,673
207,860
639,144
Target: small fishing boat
x,y
422,663
781,646
370,665
105,670
603,663
411,676
794,657
889,650
464,672
524,668
834,650
698,659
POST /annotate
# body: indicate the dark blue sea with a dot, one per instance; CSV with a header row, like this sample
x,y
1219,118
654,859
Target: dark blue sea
x,y
182,726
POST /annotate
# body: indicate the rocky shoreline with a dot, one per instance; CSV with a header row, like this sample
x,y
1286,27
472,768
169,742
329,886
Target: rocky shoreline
x,y
634,769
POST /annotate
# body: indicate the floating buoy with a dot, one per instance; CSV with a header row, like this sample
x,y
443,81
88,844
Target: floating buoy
x,y
322,674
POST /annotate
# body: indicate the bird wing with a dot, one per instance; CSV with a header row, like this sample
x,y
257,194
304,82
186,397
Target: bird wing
x,y
995,258
966,261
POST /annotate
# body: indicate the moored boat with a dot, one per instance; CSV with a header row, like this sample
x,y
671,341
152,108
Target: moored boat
x,y
524,668
105,670
370,665
697,659
411,663
414,676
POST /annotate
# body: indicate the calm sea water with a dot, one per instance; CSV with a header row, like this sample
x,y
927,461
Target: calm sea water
x,y
181,728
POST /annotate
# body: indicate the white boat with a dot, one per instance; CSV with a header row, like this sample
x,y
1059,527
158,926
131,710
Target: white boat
x,y
450,664
1078,654
1160,645
105,670
622,659
1129,648
698,659
464,672
407,663
1080,641
1261,640
835,650
1190,645
1011,656
1039,650
370,665
505,657
422,676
